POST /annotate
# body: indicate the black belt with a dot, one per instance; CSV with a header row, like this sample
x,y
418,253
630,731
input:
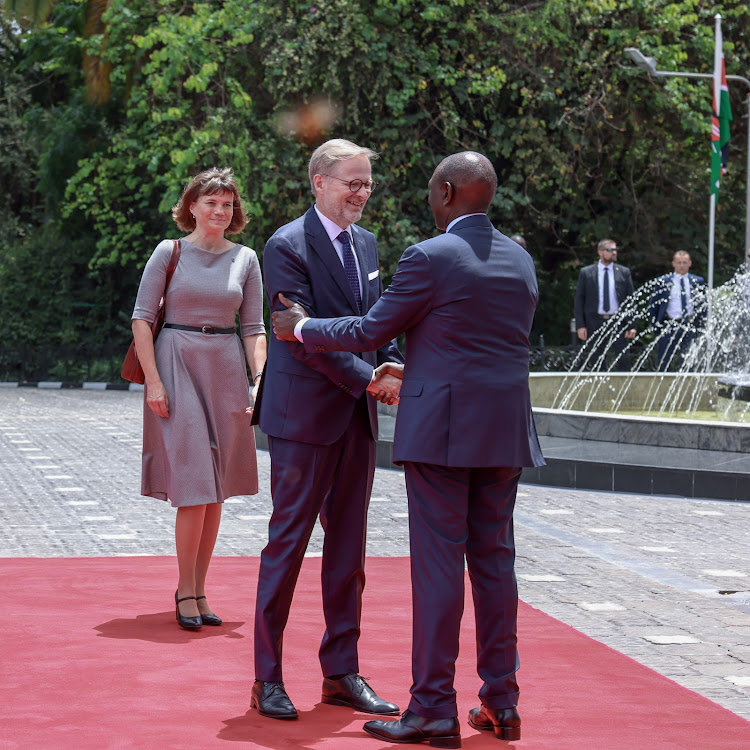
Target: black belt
x,y
200,329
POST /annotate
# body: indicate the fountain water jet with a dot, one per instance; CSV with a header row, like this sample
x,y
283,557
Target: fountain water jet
x,y
707,379
681,432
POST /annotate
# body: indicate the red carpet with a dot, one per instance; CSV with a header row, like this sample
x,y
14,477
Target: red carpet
x,y
91,657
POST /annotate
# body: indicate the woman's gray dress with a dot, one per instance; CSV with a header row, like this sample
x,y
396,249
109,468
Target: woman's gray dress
x,y
204,451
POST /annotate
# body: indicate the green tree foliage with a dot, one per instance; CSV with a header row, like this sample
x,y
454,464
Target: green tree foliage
x,y
51,300
29,12
585,144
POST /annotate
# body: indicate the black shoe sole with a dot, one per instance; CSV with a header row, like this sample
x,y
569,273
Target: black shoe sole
x,y
481,727
449,742
509,734
281,717
339,702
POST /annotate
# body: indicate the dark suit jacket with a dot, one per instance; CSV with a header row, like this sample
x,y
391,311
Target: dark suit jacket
x,y
307,397
466,301
587,294
662,289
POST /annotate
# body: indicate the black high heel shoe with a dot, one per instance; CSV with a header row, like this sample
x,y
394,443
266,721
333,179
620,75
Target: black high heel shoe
x,y
209,619
189,623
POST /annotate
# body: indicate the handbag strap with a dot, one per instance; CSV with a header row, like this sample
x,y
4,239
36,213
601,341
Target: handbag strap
x,y
173,261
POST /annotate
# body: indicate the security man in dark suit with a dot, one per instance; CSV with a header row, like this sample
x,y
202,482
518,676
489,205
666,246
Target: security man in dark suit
x,y
677,308
602,289
465,301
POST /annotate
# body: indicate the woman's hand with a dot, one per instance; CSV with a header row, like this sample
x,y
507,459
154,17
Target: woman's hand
x,y
157,400
253,398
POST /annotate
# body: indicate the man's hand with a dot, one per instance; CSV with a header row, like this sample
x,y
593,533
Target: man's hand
x,y
386,383
390,368
284,321
583,334
630,333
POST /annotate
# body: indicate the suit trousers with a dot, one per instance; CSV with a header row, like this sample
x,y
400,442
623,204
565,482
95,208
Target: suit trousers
x,y
609,352
457,514
675,337
307,480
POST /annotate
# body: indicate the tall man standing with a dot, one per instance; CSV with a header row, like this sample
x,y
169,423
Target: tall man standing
x,y
602,288
322,431
466,301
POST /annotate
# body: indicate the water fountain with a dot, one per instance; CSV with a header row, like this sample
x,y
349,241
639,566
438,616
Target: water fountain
x,y
700,404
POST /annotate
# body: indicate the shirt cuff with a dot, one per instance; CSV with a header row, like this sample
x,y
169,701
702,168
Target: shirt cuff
x,y
298,330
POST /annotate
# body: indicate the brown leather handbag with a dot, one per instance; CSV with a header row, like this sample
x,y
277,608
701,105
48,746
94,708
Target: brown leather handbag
x,y
131,366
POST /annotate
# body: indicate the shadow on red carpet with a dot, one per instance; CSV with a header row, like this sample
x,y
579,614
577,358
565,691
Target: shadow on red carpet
x,y
93,658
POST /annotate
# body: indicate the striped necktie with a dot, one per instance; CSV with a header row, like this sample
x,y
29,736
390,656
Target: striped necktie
x,y
350,268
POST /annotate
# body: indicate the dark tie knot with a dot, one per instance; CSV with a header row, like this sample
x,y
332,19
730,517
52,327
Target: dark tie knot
x,y
343,238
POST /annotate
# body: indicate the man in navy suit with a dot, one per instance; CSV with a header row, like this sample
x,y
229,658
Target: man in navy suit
x,y
466,301
677,307
601,291
319,413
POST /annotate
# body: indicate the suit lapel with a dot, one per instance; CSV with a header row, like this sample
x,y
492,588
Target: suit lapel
x,y
322,245
359,250
595,282
616,276
666,290
619,281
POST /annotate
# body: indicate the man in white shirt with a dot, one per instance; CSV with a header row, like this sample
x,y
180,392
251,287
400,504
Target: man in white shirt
x,y
677,307
319,413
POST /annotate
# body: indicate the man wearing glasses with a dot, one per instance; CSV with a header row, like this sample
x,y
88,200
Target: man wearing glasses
x,y
319,412
602,289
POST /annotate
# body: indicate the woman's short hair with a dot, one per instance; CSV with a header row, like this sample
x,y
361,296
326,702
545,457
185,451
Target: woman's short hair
x,y
210,182
328,154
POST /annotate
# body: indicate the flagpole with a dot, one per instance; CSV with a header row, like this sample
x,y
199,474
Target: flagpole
x,y
747,188
716,105
710,274
710,278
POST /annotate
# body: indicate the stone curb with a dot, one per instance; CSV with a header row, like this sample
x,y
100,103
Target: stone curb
x,y
88,386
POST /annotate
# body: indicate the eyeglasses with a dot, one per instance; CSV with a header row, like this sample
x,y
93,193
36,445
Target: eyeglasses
x,y
355,185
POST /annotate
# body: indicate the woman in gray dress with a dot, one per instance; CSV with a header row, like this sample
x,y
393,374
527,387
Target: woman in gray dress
x,y
198,443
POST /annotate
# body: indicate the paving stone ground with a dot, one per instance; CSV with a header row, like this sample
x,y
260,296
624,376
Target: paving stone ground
x,y
664,580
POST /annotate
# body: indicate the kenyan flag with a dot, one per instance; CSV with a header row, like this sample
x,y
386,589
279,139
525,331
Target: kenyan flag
x,y
721,117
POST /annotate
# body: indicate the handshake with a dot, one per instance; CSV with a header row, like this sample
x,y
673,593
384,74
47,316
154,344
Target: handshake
x,y
386,382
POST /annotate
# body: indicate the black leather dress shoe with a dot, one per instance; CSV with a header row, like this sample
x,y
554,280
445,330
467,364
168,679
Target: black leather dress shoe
x,y
352,690
504,722
413,729
271,700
